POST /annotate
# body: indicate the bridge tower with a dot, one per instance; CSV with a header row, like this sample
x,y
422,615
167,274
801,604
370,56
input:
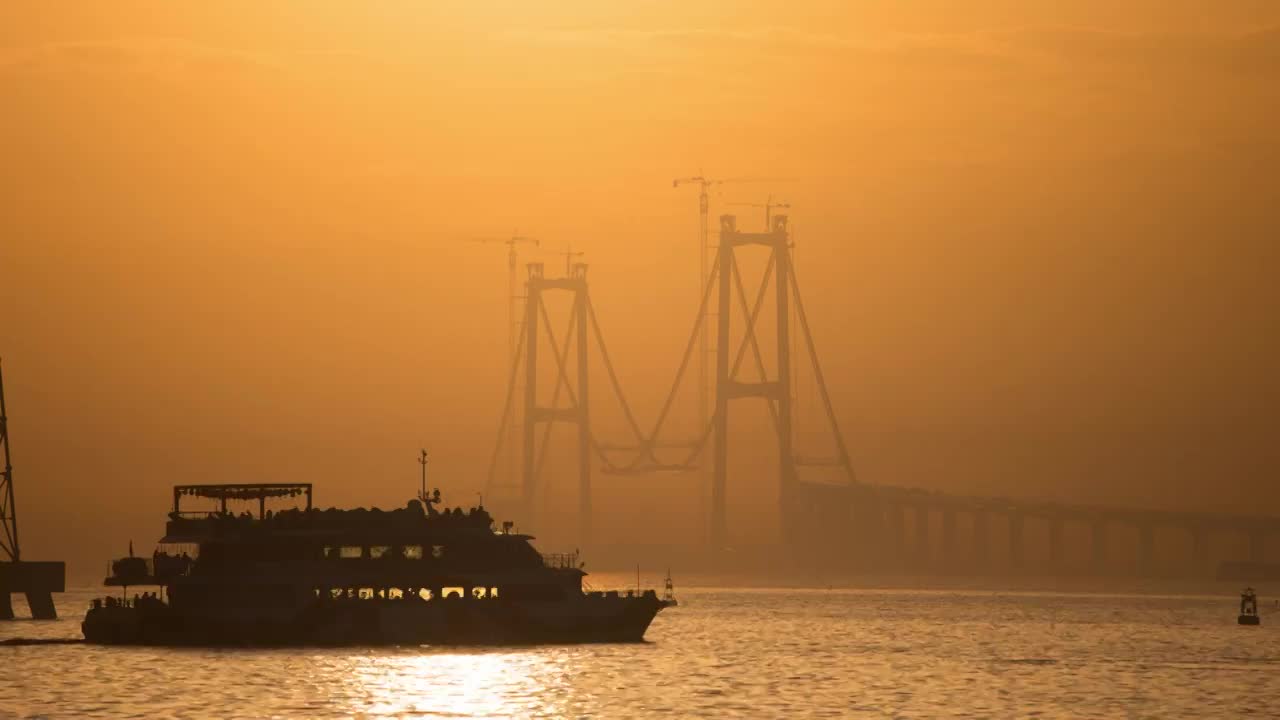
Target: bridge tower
x,y
538,411
579,411
727,387
778,392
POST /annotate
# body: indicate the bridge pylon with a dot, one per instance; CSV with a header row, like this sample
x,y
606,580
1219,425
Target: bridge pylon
x,y
578,412
778,392
540,412
726,285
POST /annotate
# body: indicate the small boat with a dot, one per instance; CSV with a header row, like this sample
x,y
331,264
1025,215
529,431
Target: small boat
x,y
1249,608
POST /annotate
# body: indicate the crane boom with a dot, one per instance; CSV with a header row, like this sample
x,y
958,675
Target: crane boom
x,y
512,262
8,510
769,206
512,298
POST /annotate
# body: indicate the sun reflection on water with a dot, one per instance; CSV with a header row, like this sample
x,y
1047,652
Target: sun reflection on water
x,y
461,684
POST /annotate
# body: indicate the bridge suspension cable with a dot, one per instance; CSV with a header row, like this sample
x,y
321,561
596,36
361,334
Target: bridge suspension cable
x,y
639,454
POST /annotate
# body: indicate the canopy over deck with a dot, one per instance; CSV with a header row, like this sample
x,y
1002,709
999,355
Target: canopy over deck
x,y
240,491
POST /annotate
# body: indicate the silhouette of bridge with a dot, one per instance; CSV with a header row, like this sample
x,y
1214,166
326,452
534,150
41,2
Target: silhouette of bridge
x,y
897,528
852,522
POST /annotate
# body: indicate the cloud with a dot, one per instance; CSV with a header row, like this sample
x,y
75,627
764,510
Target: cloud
x,y
1257,50
773,40
144,56
1044,48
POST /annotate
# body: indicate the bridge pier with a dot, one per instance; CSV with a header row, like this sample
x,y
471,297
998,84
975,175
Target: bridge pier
x,y
1199,549
1015,541
1146,549
981,541
897,529
922,554
41,604
1257,546
1056,562
964,539
949,551
865,528
1098,546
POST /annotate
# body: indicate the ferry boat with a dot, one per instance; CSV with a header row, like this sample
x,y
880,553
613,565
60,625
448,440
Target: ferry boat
x,y
303,576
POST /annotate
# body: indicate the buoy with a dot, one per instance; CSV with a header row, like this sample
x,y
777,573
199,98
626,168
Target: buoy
x,y
1248,608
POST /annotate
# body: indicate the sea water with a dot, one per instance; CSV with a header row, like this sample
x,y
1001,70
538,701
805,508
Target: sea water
x,y
724,652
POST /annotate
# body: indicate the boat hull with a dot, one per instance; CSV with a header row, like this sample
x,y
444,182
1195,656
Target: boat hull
x,y
392,622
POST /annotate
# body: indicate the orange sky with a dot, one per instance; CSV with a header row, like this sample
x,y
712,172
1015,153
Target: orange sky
x,y
1038,244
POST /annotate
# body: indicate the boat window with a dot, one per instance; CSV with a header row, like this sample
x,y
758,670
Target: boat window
x,y
337,593
453,592
437,551
477,593
366,593
394,593
377,551
425,594
413,552
330,551
350,552
493,592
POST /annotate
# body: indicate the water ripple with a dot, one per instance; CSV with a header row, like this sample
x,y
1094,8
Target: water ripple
x,y
723,653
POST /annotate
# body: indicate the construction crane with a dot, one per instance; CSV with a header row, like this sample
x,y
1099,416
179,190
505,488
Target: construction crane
x,y
769,206
512,298
8,510
39,580
569,255
512,295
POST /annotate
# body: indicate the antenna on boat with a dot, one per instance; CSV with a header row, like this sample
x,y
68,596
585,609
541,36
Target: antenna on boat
x,y
422,460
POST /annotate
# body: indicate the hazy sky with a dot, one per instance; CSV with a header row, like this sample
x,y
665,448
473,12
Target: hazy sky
x,y
1038,241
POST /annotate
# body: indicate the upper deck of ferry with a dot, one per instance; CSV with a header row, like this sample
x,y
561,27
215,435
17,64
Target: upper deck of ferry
x,y
416,519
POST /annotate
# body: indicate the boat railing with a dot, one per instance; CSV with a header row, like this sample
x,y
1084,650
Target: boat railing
x,y
137,601
160,567
623,593
560,561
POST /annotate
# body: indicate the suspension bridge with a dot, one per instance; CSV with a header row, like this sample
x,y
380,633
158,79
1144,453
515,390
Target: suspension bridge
x,y
653,448
830,513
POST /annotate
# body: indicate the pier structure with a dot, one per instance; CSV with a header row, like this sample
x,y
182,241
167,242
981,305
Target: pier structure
x,y
37,580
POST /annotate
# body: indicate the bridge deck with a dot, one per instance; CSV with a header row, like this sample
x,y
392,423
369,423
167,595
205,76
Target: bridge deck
x,y
1044,508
